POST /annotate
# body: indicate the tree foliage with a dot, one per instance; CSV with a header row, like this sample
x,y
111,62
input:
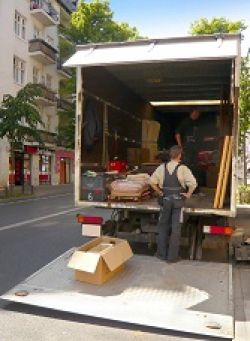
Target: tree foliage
x,y
245,96
216,25
19,115
66,128
93,23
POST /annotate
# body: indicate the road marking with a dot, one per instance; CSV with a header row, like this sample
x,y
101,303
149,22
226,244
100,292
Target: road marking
x,y
35,199
21,223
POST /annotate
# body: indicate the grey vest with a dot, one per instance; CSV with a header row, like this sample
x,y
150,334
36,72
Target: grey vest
x,y
171,184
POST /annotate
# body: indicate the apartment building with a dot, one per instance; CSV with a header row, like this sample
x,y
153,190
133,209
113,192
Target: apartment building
x,y
30,53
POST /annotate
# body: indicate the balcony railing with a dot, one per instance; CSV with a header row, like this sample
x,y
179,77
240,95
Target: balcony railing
x,y
48,137
44,12
42,51
47,96
63,71
64,105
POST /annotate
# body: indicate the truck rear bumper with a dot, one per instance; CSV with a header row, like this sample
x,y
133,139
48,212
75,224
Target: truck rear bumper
x,y
152,206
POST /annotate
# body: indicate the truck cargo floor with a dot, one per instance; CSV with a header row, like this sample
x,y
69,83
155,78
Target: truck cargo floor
x,y
186,296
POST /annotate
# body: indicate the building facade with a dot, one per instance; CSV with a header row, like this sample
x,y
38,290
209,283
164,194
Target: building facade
x,y
29,37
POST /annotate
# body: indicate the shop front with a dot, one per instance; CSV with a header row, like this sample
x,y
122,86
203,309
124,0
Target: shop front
x,y
45,168
64,165
21,174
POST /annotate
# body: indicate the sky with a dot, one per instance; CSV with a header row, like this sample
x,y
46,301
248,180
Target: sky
x,y
165,18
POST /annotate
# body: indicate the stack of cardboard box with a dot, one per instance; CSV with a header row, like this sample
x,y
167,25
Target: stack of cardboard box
x,y
150,134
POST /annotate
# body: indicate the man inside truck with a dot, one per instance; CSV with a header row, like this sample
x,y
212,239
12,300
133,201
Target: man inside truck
x,y
174,183
187,135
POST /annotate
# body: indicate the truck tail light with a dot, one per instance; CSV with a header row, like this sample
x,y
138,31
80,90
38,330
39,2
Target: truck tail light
x,y
225,230
82,219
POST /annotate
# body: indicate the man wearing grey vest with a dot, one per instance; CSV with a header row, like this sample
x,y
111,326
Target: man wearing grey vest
x,y
174,183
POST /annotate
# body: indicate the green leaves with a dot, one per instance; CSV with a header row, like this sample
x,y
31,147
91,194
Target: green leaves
x,y
66,129
19,115
244,97
93,23
217,25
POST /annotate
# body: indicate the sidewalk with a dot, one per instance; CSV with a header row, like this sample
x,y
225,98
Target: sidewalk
x,y
241,280
47,190
39,191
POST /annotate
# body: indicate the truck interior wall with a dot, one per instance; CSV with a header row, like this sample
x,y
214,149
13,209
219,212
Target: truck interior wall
x,y
216,121
101,83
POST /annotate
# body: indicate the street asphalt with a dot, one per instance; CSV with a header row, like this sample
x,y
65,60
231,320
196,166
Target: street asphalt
x,y
33,232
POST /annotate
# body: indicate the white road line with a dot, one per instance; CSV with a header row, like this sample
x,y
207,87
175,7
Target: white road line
x,y
21,223
35,199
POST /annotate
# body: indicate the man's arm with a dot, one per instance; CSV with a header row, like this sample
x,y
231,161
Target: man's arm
x,y
156,179
157,189
189,181
178,139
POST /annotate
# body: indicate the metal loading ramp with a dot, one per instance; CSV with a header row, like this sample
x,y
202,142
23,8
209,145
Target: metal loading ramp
x,y
187,296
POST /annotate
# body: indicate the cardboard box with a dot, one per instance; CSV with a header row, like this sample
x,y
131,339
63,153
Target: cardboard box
x,y
136,156
100,259
145,155
91,230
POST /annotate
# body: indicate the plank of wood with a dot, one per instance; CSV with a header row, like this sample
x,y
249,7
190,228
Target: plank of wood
x,y
221,171
226,173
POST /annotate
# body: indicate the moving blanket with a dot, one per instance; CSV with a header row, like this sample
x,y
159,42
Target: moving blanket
x,y
129,187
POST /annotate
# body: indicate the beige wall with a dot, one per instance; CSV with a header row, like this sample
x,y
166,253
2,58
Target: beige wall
x,y
12,45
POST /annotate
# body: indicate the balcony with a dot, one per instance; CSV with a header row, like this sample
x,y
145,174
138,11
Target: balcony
x,y
48,137
64,105
44,12
65,73
47,98
43,52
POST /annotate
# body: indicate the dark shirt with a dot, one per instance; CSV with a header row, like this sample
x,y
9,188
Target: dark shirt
x,y
188,129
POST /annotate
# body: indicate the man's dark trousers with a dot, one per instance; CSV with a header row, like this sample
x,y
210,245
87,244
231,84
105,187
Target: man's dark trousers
x,y
169,228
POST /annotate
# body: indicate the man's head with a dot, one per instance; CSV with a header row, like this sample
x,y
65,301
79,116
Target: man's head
x,y
195,114
175,153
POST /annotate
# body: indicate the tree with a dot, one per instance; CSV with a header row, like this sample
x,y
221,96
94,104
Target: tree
x,y
244,109
66,128
19,117
93,22
222,25
216,25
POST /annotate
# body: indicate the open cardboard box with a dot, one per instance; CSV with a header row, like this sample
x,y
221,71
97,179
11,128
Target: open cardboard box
x,y
100,259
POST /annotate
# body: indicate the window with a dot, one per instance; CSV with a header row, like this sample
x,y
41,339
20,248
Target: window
x,y
49,81
43,80
20,25
18,70
22,72
36,33
36,73
48,123
50,40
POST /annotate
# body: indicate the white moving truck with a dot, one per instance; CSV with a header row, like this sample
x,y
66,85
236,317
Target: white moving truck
x,y
143,80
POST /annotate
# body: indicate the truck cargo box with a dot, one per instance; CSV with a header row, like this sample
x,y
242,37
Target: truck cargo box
x,y
134,83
